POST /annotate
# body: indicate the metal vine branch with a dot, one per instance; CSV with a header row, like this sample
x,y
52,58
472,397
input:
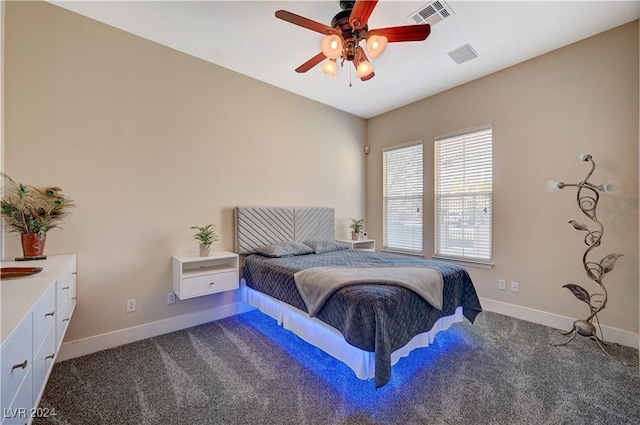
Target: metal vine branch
x,y
587,198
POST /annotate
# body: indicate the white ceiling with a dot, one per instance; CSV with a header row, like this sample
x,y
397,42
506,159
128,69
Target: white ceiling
x,y
245,36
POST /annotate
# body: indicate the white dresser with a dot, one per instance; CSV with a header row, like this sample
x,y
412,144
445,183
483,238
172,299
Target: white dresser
x,y
35,315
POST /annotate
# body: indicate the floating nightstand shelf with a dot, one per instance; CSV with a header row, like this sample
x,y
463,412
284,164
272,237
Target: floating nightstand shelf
x,y
360,244
198,276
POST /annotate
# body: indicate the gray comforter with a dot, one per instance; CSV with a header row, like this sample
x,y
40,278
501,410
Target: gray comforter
x,y
372,317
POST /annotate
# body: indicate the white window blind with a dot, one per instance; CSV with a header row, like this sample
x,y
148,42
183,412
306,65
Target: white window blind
x,y
463,191
402,198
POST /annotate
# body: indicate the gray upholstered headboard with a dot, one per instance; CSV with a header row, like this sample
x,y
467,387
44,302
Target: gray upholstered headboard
x,y
260,226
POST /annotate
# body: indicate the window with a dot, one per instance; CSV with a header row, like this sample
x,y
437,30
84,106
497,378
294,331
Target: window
x,y
463,191
402,198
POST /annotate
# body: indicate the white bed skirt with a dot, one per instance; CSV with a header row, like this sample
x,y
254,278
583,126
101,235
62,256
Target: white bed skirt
x,y
328,339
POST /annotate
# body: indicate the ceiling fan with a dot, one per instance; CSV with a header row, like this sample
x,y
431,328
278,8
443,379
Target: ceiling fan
x,y
348,28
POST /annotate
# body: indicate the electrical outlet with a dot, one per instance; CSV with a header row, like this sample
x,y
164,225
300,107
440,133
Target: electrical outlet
x,y
171,298
515,287
131,305
502,284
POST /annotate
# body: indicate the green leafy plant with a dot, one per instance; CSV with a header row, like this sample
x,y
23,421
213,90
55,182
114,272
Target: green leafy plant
x,y
28,209
206,235
356,225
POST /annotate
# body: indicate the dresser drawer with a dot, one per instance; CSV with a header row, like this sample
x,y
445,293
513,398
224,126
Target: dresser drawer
x,y
63,288
42,363
62,321
209,284
44,315
19,413
16,361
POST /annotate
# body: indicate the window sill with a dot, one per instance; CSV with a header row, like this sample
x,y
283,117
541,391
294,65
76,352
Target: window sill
x,y
466,263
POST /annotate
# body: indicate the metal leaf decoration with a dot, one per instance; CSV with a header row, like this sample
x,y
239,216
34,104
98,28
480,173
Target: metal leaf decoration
x,y
592,275
587,198
609,261
578,225
579,292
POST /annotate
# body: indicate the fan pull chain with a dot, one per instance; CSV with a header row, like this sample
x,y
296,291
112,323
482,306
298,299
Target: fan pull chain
x,y
350,85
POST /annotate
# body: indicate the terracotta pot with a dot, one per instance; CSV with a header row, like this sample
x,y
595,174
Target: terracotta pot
x,y
206,250
33,244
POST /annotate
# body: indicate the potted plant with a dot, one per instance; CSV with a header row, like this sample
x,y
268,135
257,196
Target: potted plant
x,y
356,227
206,236
32,212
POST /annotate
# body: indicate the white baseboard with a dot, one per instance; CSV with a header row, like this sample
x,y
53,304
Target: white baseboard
x,y
96,343
616,335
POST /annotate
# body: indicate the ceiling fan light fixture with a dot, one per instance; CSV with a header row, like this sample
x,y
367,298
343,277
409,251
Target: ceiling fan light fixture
x,y
332,46
376,45
348,29
364,69
330,68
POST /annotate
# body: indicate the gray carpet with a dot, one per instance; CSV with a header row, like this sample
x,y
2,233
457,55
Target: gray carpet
x,y
247,370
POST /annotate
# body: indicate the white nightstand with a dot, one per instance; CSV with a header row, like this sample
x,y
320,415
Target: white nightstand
x,y
361,244
198,276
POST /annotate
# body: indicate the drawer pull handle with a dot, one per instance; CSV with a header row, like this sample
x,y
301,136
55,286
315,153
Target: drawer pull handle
x,y
65,320
50,356
65,287
74,298
22,365
212,283
50,314
74,272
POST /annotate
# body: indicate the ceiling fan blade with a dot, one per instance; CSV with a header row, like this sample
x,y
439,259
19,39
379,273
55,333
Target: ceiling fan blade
x,y
311,63
403,33
304,22
361,12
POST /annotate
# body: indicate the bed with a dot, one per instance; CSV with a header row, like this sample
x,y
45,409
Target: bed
x,y
369,326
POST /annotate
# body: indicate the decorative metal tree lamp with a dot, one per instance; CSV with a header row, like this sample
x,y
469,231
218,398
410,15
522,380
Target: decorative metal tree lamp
x,y
588,198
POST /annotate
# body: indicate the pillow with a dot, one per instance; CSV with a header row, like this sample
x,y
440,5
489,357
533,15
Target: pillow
x,y
284,249
321,246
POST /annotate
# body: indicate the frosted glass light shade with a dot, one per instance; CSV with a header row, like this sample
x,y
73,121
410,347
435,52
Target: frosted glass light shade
x,y
610,187
330,68
364,69
552,185
376,45
332,46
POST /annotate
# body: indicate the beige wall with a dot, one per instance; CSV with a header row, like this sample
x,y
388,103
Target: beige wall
x,y
149,141
2,27
581,98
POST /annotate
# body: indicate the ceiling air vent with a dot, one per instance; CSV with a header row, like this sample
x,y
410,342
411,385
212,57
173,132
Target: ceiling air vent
x,y
462,54
432,13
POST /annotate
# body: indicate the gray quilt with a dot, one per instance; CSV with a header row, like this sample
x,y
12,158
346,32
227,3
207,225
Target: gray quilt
x,y
372,317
